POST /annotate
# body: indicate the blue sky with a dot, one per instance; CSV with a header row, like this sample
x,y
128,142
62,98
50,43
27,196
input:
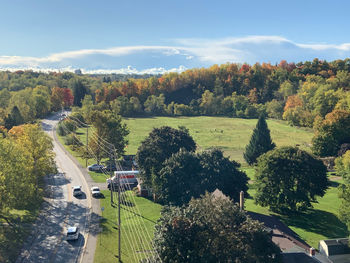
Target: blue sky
x,y
157,36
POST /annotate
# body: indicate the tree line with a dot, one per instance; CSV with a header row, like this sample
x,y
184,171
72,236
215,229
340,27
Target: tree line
x,y
298,93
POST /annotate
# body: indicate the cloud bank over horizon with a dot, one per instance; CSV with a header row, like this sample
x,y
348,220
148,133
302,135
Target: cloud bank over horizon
x,y
182,54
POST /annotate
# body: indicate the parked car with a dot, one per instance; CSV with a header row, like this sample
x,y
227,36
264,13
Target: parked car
x,y
110,167
72,233
77,190
95,191
95,167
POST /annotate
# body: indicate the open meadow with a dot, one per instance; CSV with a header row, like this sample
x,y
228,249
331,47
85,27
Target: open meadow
x,y
229,134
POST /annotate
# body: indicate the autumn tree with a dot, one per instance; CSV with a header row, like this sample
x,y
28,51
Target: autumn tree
x,y
57,98
211,229
260,142
39,147
68,97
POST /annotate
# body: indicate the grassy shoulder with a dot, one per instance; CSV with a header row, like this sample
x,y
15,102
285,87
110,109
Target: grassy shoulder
x,y
228,134
135,223
97,177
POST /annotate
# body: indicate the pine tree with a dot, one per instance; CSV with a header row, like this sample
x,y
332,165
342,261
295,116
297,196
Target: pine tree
x,y
259,143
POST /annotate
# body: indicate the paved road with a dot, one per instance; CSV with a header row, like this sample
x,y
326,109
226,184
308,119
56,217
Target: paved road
x,y
47,242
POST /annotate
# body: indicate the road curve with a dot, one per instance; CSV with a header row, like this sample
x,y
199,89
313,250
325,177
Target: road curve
x,y
60,209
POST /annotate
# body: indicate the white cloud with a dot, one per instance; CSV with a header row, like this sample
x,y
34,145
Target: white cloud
x,y
185,52
127,70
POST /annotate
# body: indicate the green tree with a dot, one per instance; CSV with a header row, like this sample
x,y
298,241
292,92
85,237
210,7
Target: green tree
x,y
79,91
136,105
24,101
222,173
289,179
187,175
14,118
110,128
87,107
155,105
274,109
332,132
42,103
158,146
286,89
212,229
39,147
5,97
16,181
122,106
342,166
179,180
259,143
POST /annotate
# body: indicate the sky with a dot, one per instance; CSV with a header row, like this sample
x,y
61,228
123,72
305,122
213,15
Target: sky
x,y
149,36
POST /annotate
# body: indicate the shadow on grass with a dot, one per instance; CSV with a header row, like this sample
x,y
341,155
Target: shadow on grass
x,y
333,184
317,221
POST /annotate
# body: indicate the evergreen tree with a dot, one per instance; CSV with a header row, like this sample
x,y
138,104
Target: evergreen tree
x,y
259,143
79,92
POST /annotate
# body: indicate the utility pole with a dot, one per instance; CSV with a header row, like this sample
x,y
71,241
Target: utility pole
x,y
119,221
111,184
87,143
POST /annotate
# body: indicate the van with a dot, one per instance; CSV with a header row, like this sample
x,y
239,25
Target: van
x,y
128,179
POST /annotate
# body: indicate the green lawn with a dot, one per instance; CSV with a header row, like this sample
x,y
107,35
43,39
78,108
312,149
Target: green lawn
x,y
317,223
135,224
229,134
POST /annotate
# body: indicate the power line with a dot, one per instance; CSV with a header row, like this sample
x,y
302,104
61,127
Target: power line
x,y
136,220
141,222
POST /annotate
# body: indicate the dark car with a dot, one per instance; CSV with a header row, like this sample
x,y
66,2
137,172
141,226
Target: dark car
x,y
110,167
95,167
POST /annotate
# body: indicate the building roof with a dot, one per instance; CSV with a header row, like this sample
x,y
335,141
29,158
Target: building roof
x,y
298,257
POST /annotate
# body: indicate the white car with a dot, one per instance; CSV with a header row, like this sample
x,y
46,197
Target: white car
x,y
95,167
72,233
95,191
77,190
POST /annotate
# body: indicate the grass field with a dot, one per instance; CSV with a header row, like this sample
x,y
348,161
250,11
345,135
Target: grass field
x,y
229,134
135,224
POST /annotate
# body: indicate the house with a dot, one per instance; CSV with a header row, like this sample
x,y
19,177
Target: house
x,y
336,250
298,257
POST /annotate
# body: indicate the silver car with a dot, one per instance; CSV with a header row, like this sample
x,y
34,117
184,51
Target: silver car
x,y
95,191
72,233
